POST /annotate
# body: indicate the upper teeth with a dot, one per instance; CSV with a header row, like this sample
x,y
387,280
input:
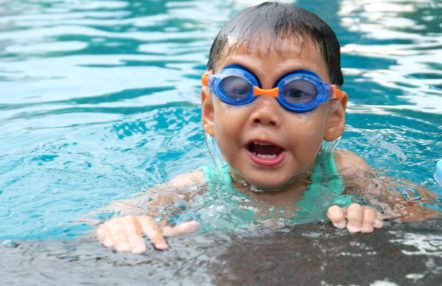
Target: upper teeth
x,y
261,143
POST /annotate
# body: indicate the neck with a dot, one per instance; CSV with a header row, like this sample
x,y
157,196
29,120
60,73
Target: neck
x,y
287,193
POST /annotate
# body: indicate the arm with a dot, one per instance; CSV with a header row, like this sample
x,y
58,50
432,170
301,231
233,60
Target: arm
x,y
126,233
164,196
360,179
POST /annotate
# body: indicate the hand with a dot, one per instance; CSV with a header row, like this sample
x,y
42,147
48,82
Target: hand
x,y
125,234
356,218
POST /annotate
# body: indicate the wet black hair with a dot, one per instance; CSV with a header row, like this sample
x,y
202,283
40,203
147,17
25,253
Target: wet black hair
x,y
280,21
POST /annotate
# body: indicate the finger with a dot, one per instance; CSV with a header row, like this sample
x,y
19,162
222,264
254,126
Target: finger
x,y
379,222
336,216
354,218
183,228
134,234
153,231
368,220
118,235
104,236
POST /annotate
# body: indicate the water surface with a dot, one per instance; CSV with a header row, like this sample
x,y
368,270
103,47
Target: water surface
x,y
99,99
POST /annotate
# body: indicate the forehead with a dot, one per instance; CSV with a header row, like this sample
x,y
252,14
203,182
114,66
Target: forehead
x,y
277,54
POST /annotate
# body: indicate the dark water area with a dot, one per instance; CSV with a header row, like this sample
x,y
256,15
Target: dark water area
x,y
311,254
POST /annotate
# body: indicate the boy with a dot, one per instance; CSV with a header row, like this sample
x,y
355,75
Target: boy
x,y
271,95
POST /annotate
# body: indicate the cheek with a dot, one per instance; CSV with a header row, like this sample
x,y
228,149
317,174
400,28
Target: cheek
x,y
227,127
308,145
228,119
224,120
308,134
316,122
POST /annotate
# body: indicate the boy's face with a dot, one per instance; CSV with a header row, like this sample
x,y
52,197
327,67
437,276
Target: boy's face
x,y
267,145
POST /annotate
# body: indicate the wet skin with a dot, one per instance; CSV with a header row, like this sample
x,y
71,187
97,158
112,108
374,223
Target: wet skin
x,y
264,121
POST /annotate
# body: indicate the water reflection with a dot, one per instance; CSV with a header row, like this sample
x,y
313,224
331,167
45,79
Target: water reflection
x,y
92,49
406,37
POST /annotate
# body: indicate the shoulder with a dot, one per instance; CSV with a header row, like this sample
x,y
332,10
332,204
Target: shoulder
x,y
185,181
359,177
350,164
183,186
382,191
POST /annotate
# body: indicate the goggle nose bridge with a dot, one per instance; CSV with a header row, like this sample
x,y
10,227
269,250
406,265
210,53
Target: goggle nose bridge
x,y
273,92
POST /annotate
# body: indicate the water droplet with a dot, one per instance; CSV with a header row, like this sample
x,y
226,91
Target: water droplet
x,y
9,244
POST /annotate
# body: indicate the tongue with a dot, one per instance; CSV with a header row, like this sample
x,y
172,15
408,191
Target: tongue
x,y
265,149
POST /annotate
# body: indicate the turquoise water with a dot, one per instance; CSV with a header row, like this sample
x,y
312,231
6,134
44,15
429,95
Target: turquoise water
x,y
99,99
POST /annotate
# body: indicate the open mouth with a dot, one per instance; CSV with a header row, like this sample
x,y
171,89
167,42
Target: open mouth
x,y
266,154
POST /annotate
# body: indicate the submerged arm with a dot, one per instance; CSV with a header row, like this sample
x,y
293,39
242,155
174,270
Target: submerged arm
x,y
361,180
162,197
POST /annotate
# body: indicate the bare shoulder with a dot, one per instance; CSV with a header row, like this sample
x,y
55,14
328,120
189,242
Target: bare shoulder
x,y
361,179
182,187
348,163
186,180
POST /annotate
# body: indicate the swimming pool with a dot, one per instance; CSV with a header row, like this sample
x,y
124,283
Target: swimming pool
x,y
99,99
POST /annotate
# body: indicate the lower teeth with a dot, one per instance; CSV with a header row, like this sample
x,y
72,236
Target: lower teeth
x,y
263,156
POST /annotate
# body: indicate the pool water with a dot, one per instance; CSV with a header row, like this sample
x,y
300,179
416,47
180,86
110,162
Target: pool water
x,y
99,100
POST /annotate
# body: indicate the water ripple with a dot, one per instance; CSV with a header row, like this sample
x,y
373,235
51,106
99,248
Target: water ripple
x,y
407,35
98,99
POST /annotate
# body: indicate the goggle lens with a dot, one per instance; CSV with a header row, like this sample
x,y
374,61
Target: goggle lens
x,y
236,88
299,91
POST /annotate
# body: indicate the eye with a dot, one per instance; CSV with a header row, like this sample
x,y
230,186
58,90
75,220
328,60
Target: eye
x,y
236,87
299,91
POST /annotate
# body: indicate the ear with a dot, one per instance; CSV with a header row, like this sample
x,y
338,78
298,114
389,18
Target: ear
x,y
336,120
207,111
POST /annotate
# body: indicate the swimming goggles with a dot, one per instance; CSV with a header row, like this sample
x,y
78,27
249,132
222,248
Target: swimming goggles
x,y
297,91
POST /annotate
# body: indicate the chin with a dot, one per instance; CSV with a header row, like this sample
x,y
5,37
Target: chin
x,y
268,182
273,186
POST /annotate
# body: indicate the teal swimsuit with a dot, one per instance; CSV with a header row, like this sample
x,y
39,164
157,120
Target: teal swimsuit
x,y
225,208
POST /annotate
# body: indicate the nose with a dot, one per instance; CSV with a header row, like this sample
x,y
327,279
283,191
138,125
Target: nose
x,y
266,112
